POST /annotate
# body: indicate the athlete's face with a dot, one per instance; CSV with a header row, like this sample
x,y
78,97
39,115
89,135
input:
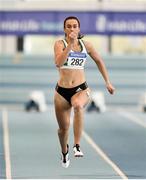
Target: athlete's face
x,y
71,25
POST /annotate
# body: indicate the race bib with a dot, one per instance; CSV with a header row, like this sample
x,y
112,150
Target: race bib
x,y
76,60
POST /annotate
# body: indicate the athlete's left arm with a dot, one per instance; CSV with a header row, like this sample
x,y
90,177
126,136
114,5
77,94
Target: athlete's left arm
x,y
100,64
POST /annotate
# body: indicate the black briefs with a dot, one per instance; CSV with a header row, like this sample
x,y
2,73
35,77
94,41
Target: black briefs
x,y
67,93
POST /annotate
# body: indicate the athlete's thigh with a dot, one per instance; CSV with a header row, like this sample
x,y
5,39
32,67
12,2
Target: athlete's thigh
x,y
83,97
62,110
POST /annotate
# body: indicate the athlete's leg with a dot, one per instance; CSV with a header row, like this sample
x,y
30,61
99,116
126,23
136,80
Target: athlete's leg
x,y
79,100
62,110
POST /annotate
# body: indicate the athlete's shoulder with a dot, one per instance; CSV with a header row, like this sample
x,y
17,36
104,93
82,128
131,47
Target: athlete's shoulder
x,y
88,45
59,44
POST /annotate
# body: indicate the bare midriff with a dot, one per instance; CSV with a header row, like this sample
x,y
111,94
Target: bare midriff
x,y
71,77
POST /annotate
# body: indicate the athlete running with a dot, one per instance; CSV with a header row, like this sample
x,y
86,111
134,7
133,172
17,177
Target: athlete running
x,y
72,91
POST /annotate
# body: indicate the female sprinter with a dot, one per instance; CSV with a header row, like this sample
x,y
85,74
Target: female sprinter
x,y
72,91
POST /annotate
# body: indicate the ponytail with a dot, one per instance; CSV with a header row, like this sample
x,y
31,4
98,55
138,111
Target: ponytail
x,y
80,36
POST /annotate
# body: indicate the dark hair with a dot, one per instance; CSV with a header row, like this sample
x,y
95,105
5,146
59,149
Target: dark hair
x,y
80,36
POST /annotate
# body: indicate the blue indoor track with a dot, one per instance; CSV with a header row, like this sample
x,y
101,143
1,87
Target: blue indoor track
x,y
113,142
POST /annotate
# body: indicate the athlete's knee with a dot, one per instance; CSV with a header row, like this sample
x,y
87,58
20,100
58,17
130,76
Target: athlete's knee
x,y
63,130
77,105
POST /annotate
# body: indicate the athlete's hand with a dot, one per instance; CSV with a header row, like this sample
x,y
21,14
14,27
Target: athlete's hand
x,y
110,88
72,37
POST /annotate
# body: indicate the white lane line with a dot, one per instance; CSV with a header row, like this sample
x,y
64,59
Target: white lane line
x,y
104,156
133,118
6,143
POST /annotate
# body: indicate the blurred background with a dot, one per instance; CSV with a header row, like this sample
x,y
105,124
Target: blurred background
x,y
28,76
29,28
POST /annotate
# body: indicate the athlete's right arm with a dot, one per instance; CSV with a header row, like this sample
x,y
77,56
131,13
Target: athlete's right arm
x,y
61,53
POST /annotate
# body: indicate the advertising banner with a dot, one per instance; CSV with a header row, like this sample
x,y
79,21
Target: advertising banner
x,y
44,22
